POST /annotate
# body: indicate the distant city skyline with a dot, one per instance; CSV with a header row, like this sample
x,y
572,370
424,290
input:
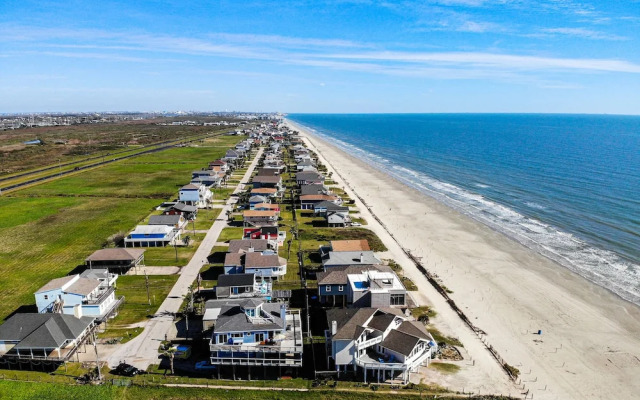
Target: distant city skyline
x,y
359,56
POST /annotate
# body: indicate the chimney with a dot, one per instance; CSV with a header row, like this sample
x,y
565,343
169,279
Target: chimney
x,y
77,310
334,327
283,313
361,258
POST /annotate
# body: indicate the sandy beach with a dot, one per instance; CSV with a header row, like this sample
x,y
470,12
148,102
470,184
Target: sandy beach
x,y
590,342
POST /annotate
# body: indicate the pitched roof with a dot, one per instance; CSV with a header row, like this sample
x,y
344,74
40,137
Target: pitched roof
x,y
415,328
267,178
329,206
95,273
183,207
318,197
117,254
264,190
236,246
236,280
338,275
257,199
190,186
169,220
350,258
258,213
233,319
258,260
232,259
274,207
315,188
34,330
350,245
348,321
381,321
56,283
308,175
400,342
83,286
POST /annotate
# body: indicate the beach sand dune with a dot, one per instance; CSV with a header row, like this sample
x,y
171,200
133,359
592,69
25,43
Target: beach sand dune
x,y
590,342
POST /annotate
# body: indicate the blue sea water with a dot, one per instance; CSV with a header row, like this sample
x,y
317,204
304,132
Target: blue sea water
x,y
567,186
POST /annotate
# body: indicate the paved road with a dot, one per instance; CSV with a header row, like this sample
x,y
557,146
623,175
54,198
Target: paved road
x,y
143,350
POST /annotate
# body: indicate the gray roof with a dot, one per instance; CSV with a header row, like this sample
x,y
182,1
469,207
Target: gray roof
x,y
312,189
184,208
400,342
267,179
170,220
33,330
56,283
258,199
233,319
348,321
83,286
338,275
381,321
258,260
330,206
236,280
339,258
308,176
95,273
243,245
117,254
232,259
415,328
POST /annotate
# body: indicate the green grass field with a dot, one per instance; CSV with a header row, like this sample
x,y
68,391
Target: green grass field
x,y
47,230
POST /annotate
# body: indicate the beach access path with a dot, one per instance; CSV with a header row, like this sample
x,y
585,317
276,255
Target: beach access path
x,y
589,347
142,351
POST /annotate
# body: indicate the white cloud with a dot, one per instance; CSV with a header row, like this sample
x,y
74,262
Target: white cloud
x,y
583,33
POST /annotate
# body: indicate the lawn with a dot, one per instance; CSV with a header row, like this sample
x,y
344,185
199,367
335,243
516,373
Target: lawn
x,y
46,238
46,231
166,256
206,218
324,235
136,306
230,234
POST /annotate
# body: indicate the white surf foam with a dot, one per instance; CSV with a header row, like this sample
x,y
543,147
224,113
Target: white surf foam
x,y
603,267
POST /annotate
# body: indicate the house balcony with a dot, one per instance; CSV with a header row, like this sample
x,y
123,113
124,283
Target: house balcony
x,y
369,342
100,297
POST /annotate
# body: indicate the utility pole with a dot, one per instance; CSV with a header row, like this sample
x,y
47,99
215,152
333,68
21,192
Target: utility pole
x,y
146,282
95,348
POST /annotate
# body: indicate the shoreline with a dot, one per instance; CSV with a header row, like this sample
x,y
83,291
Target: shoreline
x,y
507,290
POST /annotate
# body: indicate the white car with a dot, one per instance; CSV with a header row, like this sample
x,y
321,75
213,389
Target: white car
x,y
356,224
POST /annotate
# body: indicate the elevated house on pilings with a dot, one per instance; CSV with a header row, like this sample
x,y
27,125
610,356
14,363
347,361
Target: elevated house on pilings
x,y
42,340
255,333
378,344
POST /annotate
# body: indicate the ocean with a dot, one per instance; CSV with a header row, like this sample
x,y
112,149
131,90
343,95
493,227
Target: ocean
x,y
566,186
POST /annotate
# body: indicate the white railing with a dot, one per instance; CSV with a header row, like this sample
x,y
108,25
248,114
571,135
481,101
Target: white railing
x,y
370,342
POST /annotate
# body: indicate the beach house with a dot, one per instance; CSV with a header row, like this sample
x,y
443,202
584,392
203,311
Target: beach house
x,y
260,218
361,286
43,338
117,260
79,295
346,258
254,333
380,343
152,236
195,195
241,286
309,178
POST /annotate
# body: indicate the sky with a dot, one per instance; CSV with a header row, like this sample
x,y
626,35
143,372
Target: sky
x,y
342,56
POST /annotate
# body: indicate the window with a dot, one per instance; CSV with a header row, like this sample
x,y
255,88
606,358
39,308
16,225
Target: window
x,y
259,337
46,297
327,288
341,288
236,335
222,339
397,300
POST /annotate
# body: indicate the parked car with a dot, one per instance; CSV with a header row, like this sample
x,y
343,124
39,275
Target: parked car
x,y
356,224
204,366
124,369
182,352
